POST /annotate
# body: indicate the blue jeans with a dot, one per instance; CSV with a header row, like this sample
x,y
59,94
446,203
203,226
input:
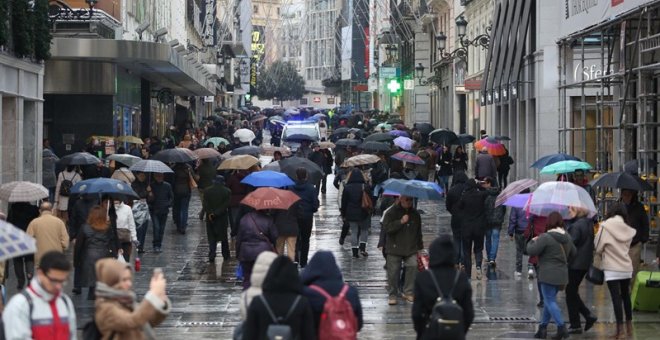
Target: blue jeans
x,y
180,211
444,183
159,220
142,232
51,195
550,307
492,243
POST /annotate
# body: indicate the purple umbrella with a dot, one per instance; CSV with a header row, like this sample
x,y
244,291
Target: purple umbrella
x,y
517,200
408,157
404,143
399,133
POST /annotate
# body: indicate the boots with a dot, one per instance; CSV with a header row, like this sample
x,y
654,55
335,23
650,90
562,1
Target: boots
x,y
619,334
363,249
541,333
629,328
591,320
355,253
562,333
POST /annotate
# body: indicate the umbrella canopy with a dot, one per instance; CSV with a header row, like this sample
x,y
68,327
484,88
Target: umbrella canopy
x,y
216,141
21,191
320,116
399,133
277,120
443,136
551,159
246,150
622,180
269,150
414,188
104,186
513,189
258,118
348,142
633,165
327,145
404,143
408,157
240,162
494,147
291,164
395,121
565,167
150,165
518,200
14,242
358,160
464,138
340,130
176,155
379,137
268,178
79,158
244,135
205,153
124,158
385,126
299,138
130,139
272,166
424,128
374,146
559,196
270,198
501,138
216,119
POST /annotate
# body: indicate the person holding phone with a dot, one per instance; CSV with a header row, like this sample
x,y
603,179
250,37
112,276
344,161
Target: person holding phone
x,y
118,314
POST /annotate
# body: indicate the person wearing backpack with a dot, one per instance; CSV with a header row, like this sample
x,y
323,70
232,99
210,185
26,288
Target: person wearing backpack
x,y
65,181
322,278
280,311
442,278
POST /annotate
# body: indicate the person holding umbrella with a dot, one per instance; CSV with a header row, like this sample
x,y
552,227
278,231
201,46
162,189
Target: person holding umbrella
x,y
485,165
459,161
141,208
354,213
159,207
638,219
445,163
215,207
309,204
472,210
183,176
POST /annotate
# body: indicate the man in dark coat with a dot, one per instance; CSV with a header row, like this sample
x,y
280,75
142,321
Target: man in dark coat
x,y
441,265
403,226
459,184
20,215
352,212
319,159
580,228
639,220
485,165
309,204
323,272
159,208
215,206
327,168
472,211
238,192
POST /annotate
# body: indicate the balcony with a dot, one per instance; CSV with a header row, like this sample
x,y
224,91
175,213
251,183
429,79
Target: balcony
x,y
69,22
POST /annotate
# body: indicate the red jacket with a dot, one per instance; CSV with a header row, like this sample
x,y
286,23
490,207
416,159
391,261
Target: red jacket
x,y
539,225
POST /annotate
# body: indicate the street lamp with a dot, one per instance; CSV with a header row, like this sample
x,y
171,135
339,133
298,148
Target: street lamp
x,y
461,26
419,74
482,40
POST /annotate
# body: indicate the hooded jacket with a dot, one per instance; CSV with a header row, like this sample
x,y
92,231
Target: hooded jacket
x,y
454,194
351,199
472,209
309,198
402,239
257,277
613,243
518,221
581,230
441,265
322,271
553,260
280,288
256,233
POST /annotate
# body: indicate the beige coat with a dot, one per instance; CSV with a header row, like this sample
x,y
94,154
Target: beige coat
x,y
613,243
111,316
50,233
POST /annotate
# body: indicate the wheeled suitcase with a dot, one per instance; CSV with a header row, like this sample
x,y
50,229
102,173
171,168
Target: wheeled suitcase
x,y
646,292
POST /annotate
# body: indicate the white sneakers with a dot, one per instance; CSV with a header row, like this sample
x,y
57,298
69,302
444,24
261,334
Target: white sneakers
x,y
530,273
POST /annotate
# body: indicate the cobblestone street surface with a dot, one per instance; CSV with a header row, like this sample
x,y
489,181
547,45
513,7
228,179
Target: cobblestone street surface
x,y
205,297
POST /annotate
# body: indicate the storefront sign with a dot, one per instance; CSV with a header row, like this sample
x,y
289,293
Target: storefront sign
x,y
389,72
580,14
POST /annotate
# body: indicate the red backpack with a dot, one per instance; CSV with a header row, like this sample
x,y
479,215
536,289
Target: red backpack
x,y
338,321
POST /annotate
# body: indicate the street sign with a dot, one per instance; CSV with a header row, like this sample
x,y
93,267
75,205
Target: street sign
x,y
389,72
408,84
209,99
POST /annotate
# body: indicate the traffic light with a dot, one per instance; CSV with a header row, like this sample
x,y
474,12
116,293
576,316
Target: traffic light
x,y
394,86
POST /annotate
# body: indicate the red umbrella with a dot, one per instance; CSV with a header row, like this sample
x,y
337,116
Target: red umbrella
x,y
494,147
270,198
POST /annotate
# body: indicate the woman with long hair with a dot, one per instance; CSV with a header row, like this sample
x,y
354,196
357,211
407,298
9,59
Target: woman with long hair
x,y
93,242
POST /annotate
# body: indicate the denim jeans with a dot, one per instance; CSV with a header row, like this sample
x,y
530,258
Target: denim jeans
x,y
492,243
359,232
550,306
141,231
51,195
159,220
180,211
444,183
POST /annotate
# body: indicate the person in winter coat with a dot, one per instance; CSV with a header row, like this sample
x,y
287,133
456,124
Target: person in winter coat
x,y
327,168
324,273
206,172
518,222
613,249
182,193
536,227
403,227
282,294
49,179
581,229
126,231
21,215
319,159
94,242
49,232
61,196
118,314
494,220
259,271
238,192
503,169
351,211
459,161
485,165
441,265
459,184
472,211
286,222
309,204
256,233
215,207
141,208
638,219
444,161
554,249
159,206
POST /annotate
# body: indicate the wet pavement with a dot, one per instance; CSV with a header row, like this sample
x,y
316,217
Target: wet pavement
x,y
205,296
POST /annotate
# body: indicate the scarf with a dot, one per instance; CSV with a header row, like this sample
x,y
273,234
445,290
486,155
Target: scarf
x,y
127,299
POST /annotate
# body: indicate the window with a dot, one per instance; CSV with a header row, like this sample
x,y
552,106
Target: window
x,y
331,100
303,101
255,9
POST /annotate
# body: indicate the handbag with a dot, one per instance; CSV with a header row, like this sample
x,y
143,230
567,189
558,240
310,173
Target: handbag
x,y
366,204
123,235
530,236
596,275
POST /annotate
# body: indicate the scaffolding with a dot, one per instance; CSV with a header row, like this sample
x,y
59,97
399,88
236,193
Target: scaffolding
x,y
609,91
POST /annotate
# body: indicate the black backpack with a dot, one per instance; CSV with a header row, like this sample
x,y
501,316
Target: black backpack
x,y
446,321
91,331
277,330
66,185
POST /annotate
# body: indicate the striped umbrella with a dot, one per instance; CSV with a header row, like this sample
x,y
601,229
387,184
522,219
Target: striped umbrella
x,y
513,189
21,191
124,158
358,160
150,165
205,153
408,157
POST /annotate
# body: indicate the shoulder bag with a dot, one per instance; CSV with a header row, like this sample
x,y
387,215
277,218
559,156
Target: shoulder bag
x,y
596,275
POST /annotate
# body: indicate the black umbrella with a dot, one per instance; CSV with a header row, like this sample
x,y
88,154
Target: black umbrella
x,y
178,155
348,142
424,128
216,119
464,138
290,165
443,136
622,180
501,138
299,138
379,137
79,158
632,166
374,146
246,150
340,130
395,121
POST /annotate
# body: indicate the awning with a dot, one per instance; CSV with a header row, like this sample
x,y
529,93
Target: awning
x,y
156,62
511,20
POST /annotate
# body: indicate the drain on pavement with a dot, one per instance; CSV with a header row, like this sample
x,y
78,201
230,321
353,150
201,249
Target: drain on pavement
x,y
199,324
523,319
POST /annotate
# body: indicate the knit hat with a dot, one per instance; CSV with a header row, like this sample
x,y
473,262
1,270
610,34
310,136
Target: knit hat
x,y
442,251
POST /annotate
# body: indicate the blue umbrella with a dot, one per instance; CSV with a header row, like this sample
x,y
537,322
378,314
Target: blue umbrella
x,y
551,159
268,178
414,188
104,186
14,242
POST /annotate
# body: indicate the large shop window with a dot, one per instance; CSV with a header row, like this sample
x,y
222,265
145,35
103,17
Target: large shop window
x,y
593,129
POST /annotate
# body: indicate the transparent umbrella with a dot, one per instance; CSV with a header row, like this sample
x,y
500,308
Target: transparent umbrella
x,y
559,196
